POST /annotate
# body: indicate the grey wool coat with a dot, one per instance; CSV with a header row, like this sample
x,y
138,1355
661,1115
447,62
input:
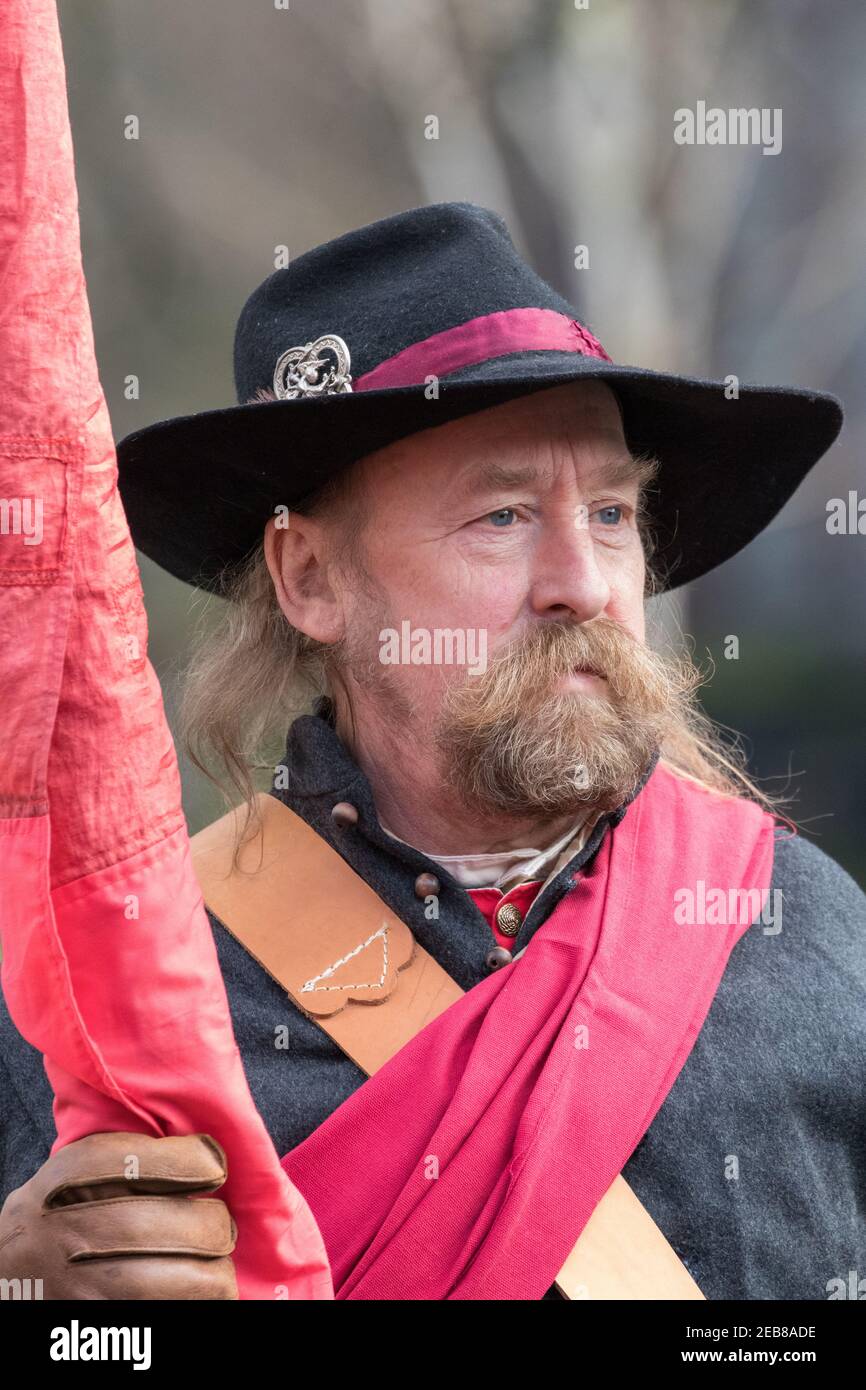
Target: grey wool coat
x,y
776,1078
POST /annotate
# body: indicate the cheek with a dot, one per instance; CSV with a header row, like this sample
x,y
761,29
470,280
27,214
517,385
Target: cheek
x,y
471,603
627,601
452,590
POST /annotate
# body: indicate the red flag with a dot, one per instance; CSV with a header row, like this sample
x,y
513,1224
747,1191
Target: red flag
x,y
109,964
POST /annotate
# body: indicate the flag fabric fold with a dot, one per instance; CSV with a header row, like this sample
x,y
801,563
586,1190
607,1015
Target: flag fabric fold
x,y
109,964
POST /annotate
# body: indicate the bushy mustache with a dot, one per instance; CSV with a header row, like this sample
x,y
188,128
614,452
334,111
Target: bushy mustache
x,y
514,744
522,674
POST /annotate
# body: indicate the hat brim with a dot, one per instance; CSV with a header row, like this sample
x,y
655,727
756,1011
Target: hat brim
x,y
199,489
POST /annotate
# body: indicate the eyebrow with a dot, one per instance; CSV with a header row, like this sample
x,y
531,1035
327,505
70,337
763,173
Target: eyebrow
x,y
492,476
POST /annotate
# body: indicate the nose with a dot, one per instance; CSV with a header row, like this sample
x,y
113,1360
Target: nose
x,y
566,580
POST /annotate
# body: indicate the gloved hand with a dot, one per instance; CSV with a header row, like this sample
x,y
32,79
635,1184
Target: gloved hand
x,y
108,1218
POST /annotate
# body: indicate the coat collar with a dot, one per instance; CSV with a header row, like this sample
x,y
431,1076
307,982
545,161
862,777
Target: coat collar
x,y
318,771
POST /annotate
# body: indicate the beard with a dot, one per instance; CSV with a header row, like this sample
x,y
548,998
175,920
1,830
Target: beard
x,y
513,744
510,743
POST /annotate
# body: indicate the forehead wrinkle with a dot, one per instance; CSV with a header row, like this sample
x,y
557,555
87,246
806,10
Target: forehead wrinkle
x,y
492,475
615,471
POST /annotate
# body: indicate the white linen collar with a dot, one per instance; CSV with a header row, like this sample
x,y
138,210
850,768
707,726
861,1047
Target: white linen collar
x,y
502,870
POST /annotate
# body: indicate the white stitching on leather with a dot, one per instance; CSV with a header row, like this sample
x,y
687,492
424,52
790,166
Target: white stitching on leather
x,y
313,986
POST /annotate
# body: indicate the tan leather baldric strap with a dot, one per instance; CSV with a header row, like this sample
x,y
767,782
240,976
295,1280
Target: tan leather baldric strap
x,y
355,968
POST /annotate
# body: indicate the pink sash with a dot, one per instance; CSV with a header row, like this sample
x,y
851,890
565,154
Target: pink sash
x,y
468,1165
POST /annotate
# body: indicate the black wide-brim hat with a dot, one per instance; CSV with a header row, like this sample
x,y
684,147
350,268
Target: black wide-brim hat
x,y
350,335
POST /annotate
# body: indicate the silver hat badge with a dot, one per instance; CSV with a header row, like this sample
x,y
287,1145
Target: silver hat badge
x,y
305,371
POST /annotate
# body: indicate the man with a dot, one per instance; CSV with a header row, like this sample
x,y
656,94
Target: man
x,y
440,507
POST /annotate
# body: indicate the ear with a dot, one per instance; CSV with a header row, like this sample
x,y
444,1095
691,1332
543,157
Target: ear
x,y
296,557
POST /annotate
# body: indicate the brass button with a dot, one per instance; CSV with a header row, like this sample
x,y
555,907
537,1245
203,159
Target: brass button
x,y
427,886
508,919
497,958
344,814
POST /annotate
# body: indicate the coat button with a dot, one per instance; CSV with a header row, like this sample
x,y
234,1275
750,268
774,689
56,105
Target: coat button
x,y
497,958
508,919
427,886
344,814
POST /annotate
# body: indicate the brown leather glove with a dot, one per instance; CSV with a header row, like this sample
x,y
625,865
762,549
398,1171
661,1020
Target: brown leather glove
x,y
107,1217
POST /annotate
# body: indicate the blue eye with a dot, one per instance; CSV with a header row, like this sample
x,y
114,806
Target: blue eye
x,y
611,521
503,512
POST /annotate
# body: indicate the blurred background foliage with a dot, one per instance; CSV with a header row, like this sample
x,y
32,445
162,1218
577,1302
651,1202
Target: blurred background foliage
x,y
262,126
